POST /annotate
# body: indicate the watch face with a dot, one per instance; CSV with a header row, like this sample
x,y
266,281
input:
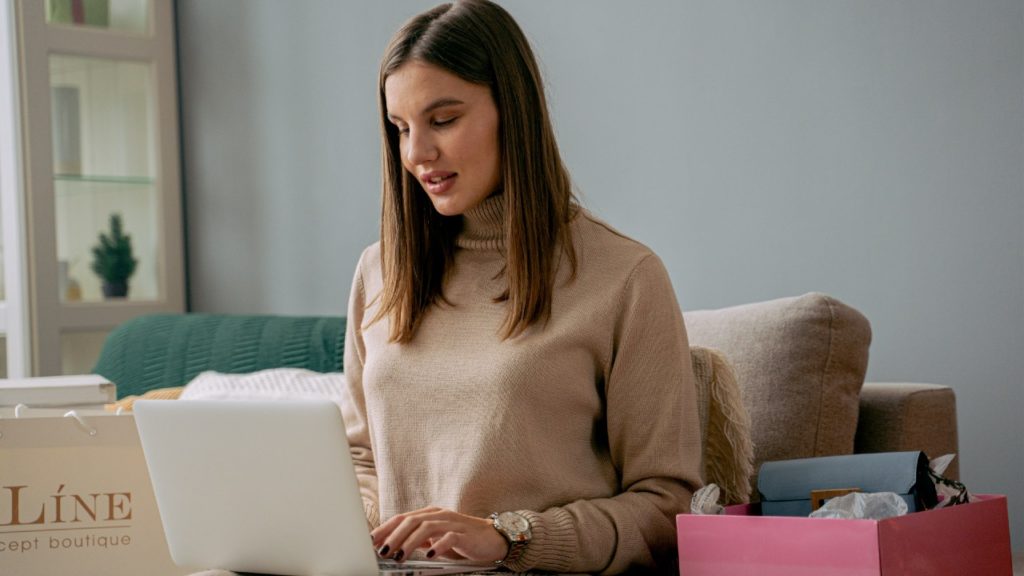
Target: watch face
x,y
514,523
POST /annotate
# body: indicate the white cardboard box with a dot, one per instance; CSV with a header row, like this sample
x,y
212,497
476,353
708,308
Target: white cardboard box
x,y
57,391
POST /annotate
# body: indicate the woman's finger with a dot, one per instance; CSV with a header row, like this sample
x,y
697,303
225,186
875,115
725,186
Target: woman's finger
x,y
381,534
395,544
427,530
444,547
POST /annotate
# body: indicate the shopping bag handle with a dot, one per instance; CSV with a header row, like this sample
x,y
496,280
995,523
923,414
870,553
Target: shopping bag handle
x,y
18,409
81,422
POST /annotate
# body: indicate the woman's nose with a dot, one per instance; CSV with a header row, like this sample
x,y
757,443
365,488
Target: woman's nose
x,y
420,147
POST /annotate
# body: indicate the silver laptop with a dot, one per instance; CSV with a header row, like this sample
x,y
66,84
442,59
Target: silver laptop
x,y
261,486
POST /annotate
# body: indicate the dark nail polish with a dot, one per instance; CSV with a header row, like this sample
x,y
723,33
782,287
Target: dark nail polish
x,y
383,550
430,553
399,555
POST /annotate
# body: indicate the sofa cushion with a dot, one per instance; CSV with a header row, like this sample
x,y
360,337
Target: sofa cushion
x,y
800,363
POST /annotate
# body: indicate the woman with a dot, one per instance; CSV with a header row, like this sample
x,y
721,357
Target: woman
x,y
519,385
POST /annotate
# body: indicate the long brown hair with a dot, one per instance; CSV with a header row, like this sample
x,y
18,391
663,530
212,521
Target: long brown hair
x,y
479,42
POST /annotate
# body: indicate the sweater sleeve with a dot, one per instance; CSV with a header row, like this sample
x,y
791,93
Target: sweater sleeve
x,y
653,441
353,404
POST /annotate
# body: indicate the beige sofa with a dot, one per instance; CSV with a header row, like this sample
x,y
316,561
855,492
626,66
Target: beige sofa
x,y
800,364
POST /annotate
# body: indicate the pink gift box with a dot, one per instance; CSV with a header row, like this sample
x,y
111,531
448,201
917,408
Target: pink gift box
x,y
968,539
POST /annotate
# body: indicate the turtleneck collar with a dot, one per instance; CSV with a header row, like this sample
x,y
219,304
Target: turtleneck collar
x,y
483,226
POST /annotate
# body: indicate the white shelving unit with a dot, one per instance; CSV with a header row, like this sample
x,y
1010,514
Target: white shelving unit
x,y
93,100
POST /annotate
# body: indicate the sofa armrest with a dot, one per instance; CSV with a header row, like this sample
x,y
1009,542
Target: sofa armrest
x,y
908,416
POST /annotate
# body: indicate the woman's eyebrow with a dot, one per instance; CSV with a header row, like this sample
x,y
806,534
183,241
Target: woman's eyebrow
x,y
439,103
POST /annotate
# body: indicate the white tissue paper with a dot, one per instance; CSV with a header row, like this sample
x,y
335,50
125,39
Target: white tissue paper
x,y
863,506
705,500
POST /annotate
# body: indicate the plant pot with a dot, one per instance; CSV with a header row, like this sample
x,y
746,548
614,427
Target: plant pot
x,y
115,289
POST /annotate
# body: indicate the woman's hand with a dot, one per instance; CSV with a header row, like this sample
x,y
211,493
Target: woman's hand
x,y
445,534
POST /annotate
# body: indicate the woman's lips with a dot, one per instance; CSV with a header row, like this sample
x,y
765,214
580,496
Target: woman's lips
x,y
437,183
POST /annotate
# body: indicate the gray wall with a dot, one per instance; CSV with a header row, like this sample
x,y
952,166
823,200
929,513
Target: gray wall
x,y
870,150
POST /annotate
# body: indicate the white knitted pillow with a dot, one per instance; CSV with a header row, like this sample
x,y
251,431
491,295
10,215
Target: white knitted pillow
x,y
274,383
728,453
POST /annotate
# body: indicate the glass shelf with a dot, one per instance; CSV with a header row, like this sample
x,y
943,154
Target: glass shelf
x,y
131,180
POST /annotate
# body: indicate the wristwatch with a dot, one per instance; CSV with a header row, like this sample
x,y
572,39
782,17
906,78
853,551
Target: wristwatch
x,y
516,529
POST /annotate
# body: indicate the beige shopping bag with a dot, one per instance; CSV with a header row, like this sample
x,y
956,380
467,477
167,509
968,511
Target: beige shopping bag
x,y
75,499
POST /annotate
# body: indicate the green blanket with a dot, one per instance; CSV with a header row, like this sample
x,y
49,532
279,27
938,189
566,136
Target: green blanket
x,y
167,350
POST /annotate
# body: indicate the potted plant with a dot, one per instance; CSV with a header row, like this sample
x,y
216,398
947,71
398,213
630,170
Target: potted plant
x,y
112,259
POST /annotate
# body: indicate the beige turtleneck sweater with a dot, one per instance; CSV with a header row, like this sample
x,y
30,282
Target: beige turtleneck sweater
x,y
587,424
